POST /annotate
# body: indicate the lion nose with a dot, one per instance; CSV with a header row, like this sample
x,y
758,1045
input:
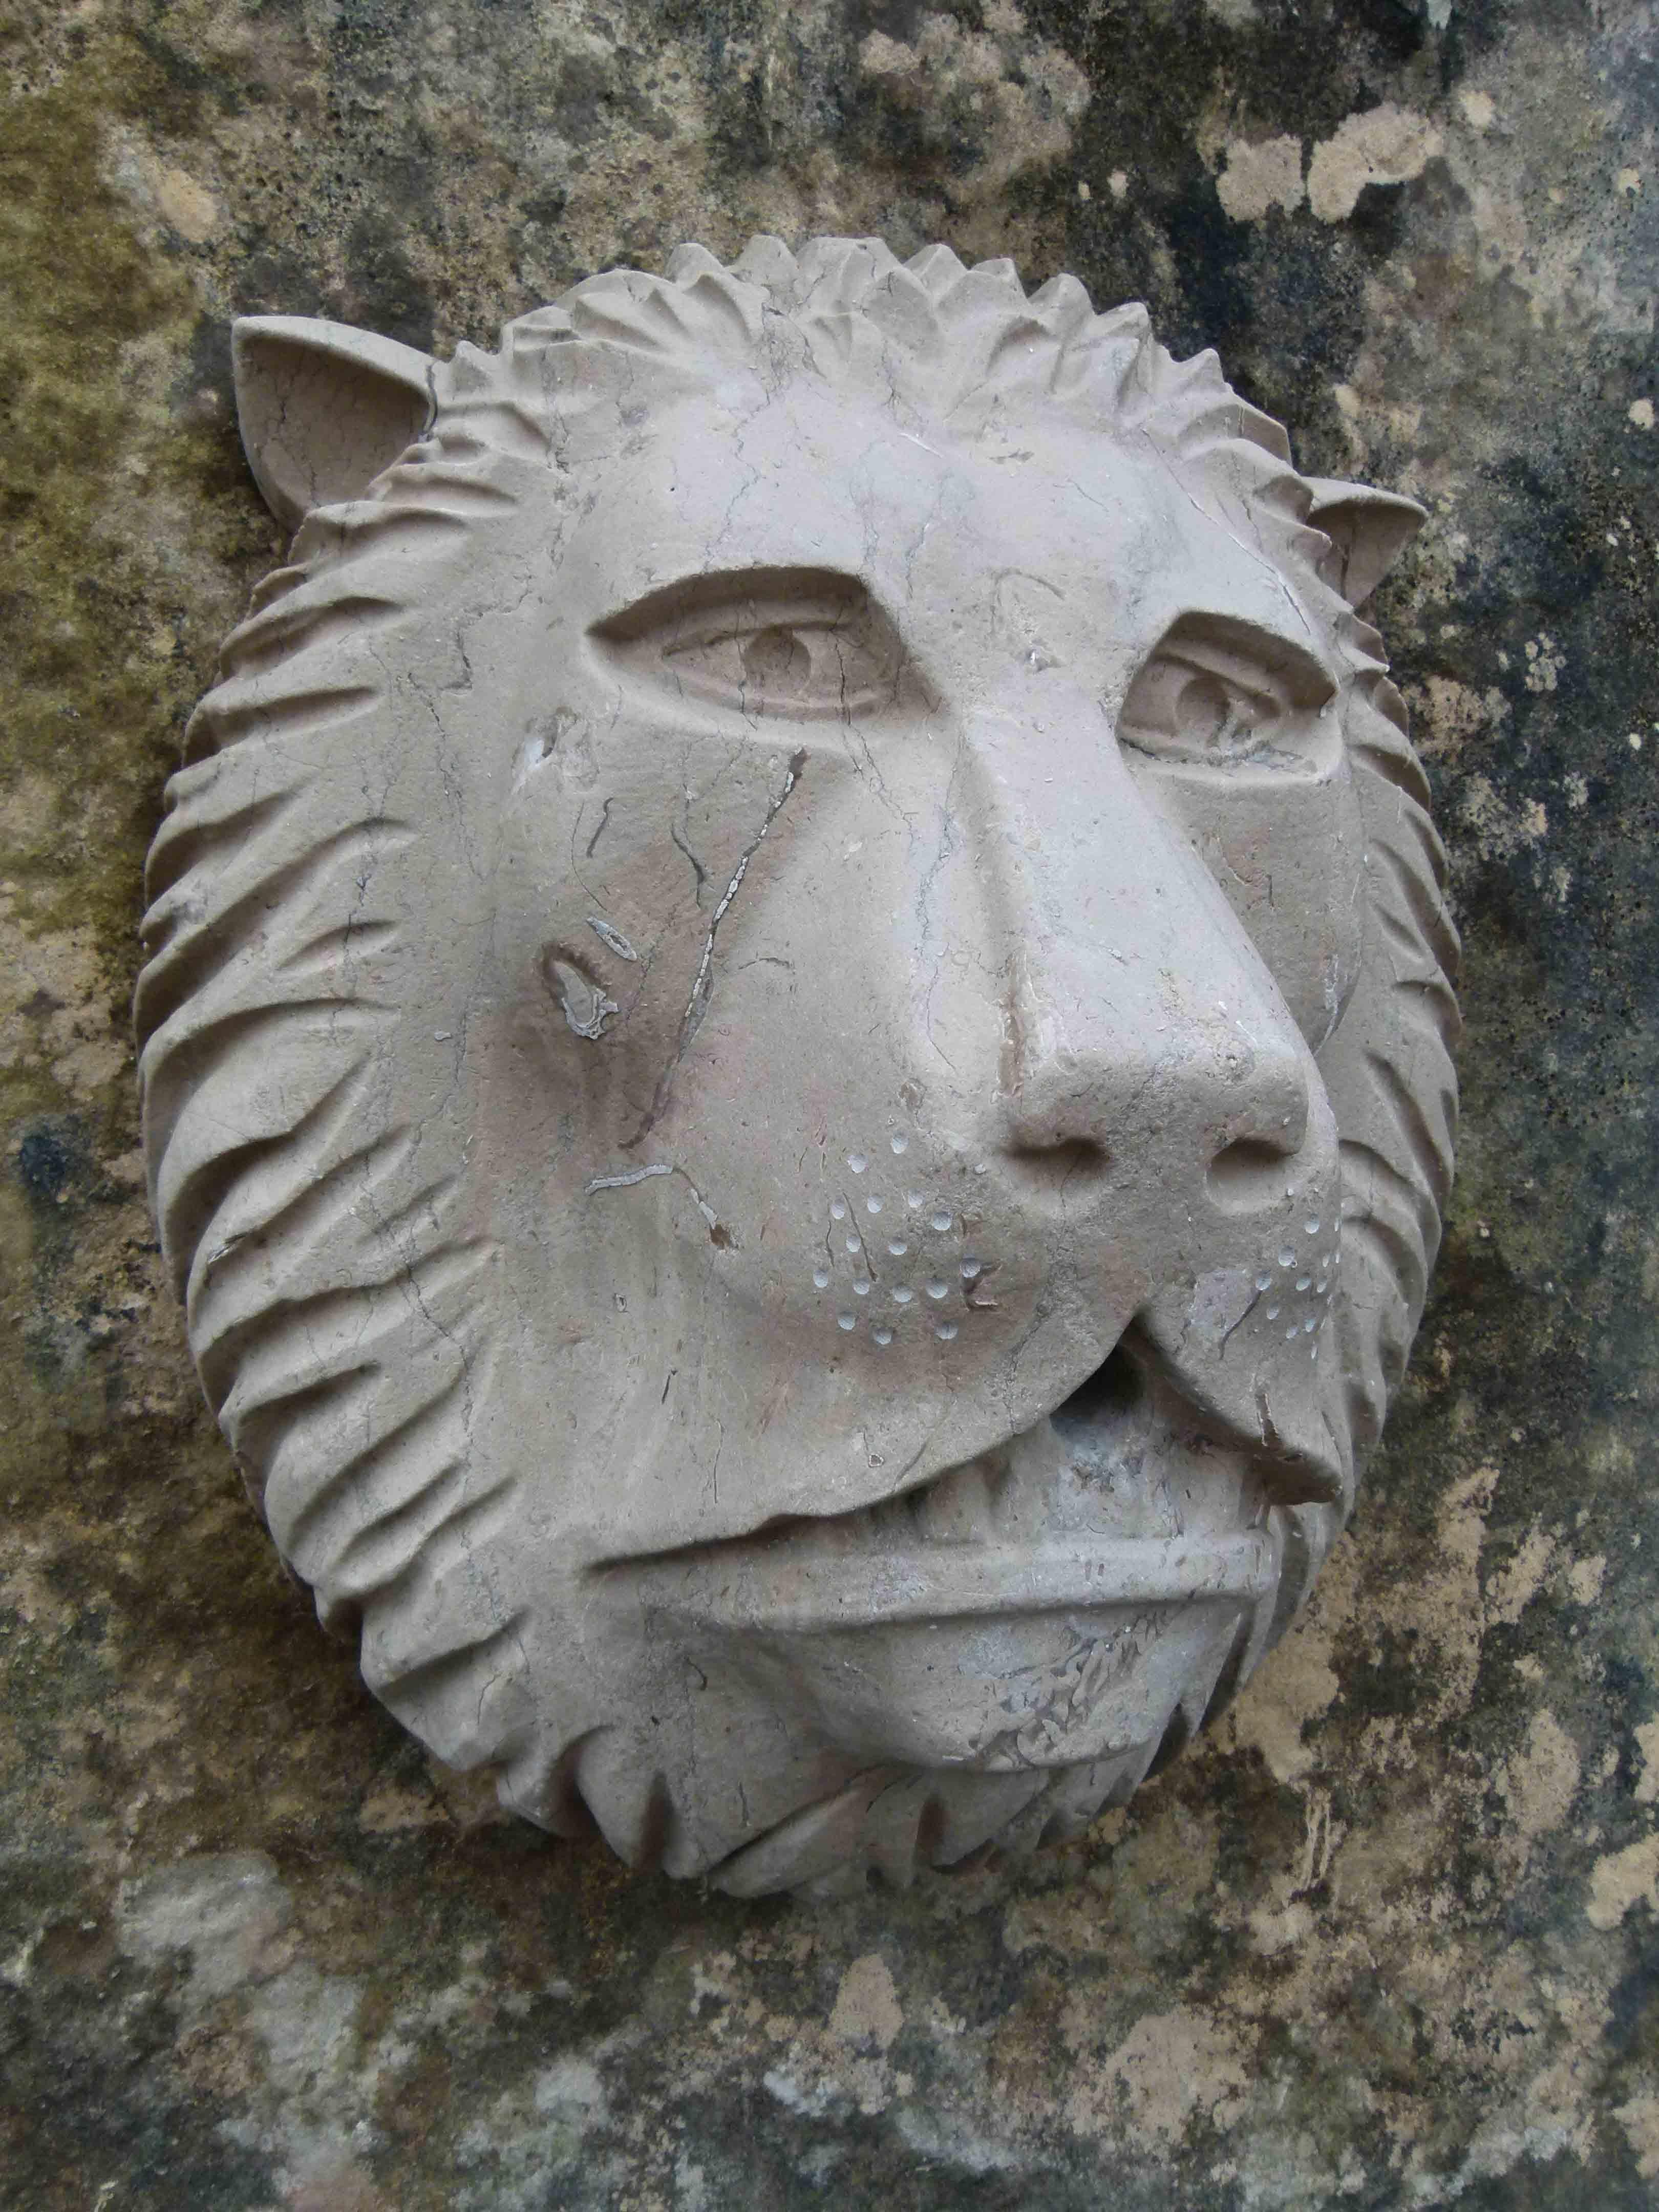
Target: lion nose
x,y
1145,1043
1207,1098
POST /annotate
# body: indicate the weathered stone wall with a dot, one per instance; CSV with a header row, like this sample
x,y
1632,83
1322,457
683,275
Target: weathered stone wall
x,y
1389,1939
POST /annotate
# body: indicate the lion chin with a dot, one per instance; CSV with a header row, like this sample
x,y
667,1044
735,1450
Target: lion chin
x,y
796,1045
993,1656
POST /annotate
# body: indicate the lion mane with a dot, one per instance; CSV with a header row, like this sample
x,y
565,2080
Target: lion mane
x,y
307,1151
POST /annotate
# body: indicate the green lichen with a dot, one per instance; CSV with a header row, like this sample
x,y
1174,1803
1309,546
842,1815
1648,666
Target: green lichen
x,y
93,676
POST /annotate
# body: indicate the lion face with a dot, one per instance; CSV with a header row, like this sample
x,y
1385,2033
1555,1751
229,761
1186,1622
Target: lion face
x,y
852,1244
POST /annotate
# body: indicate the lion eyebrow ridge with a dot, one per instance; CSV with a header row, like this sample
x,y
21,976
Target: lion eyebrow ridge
x,y
1309,679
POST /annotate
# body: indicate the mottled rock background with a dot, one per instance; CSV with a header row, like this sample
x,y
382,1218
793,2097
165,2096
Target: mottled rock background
x,y
1389,1938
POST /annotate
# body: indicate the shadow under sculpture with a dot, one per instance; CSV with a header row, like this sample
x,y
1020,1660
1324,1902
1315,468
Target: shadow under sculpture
x,y
795,1044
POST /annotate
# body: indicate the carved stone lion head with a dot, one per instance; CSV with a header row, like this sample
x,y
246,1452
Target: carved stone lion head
x,y
796,1042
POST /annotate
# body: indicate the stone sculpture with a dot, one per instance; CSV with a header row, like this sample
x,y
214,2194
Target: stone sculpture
x,y
796,1044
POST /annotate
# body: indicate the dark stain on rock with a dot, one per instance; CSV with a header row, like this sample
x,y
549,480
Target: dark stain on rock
x,y
383,291
51,1156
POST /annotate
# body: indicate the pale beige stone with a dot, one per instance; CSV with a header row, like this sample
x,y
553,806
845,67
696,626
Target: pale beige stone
x,y
796,1046
1647,1742
1622,1880
1385,145
188,206
1479,109
1261,176
867,2008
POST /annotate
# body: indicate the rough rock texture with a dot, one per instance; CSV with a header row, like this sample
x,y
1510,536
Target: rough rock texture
x,y
1388,1939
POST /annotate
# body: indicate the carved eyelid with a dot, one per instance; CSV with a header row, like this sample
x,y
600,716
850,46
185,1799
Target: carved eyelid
x,y
1245,655
687,606
789,644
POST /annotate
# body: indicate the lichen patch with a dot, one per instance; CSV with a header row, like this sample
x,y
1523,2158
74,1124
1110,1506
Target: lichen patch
x,y
1384,145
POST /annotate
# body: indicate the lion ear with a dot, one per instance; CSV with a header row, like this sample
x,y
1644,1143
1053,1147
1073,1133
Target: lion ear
x,y
323,408
1367,531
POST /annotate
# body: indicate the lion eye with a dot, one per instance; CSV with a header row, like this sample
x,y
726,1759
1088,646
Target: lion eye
x,y
768,660
1212,696
793,644
1193,714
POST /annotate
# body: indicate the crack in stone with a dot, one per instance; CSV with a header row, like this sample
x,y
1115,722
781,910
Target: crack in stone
x,y
697,868
702,985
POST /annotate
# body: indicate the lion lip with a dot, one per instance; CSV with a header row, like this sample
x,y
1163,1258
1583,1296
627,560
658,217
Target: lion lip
x,y
1043,1523
788,1585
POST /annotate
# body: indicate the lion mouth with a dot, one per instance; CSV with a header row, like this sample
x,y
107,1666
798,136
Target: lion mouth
x,y
1118,1499
858,1572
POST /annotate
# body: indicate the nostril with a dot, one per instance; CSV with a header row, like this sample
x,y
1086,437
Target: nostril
x,y
1247,1175
1055,1168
